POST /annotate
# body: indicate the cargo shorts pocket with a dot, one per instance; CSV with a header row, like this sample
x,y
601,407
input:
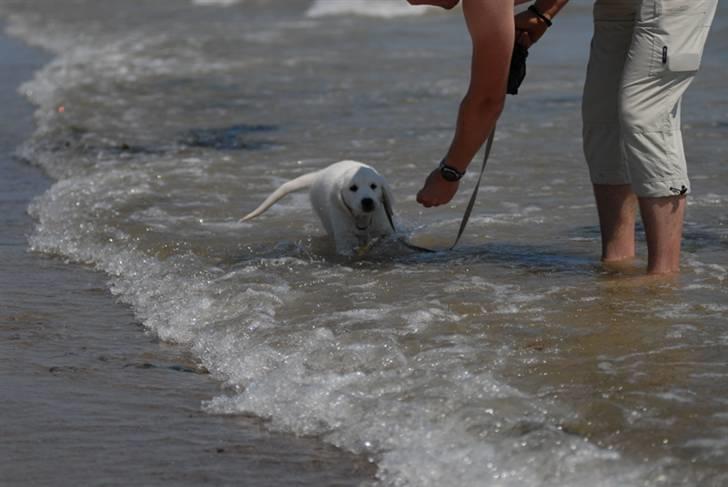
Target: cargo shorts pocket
x,y
682,62
678,30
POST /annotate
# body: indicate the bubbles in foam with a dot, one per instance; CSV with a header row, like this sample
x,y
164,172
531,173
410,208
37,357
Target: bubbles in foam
x,y
218,3
368,8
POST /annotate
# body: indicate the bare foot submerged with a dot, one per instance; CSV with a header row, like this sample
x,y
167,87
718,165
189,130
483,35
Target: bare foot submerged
x,y
629,273
627,266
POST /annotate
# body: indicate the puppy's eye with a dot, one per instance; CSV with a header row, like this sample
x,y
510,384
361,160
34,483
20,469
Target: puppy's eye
x,y
373,186
354,188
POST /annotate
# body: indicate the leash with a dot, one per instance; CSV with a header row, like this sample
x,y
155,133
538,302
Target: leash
x,y
468,209
516,75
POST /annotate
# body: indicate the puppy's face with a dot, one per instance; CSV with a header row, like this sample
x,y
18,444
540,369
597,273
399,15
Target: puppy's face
x,y
364,194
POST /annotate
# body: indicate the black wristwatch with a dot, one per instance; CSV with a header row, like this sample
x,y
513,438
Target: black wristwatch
x,y
449,173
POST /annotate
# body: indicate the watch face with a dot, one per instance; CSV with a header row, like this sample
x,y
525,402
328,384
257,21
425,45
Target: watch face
x,y
449,174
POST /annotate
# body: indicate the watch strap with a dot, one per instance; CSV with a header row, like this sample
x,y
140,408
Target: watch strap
x,y
449,173
535,11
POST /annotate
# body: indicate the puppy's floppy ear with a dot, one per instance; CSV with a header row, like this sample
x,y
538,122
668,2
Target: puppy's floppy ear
x,y
388,202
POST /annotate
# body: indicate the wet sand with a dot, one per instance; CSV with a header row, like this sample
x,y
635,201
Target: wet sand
x,y
89,398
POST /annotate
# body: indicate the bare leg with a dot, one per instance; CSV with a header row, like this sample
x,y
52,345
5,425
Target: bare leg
x,y
617,208
663,221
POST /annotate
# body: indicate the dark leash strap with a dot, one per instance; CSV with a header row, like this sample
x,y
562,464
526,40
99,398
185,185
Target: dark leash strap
x,y
468,210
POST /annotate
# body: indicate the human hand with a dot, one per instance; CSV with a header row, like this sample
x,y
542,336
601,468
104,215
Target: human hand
x,y
446,4
436,190
529,28
524,39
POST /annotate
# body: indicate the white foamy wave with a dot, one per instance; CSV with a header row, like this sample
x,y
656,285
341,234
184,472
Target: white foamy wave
x,y
368,8
218,3
225,3
434,441
425,415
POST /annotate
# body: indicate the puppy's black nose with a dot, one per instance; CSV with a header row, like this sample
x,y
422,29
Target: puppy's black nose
x,y
367,204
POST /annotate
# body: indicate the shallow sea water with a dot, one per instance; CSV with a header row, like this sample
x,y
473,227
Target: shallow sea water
x,y
513,360
87,397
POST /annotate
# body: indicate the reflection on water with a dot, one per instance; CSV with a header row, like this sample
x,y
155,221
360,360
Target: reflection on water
x,y
637,380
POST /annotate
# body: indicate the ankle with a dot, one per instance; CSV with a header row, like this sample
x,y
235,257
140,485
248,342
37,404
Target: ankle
x,y
663,269
618,253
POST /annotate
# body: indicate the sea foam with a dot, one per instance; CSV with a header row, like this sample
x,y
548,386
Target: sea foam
x,y
368,8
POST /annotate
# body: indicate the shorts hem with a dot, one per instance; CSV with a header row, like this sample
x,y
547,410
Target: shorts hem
x,y
609,180
661,188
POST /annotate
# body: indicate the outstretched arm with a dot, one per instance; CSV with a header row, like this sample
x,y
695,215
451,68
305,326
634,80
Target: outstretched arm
x,y
491,27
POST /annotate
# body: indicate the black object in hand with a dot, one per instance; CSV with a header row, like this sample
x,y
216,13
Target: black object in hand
x,y
518,69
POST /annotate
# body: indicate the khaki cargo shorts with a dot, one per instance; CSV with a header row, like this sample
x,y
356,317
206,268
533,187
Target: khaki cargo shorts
x,y
644,55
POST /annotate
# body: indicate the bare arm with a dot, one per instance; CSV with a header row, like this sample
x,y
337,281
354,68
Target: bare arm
x,y
490,23
491,27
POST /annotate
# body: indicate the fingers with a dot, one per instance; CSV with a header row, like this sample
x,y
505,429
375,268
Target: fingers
x,y
429,200
424,200
524,39
435,191
531,26
523,21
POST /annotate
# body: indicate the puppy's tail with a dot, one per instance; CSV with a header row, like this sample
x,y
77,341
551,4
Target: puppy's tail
x,y
300,182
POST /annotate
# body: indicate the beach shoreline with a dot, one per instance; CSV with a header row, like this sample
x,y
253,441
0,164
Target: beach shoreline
x,y
90,398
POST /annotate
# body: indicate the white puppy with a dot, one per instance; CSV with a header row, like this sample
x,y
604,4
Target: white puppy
x,y
351,199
